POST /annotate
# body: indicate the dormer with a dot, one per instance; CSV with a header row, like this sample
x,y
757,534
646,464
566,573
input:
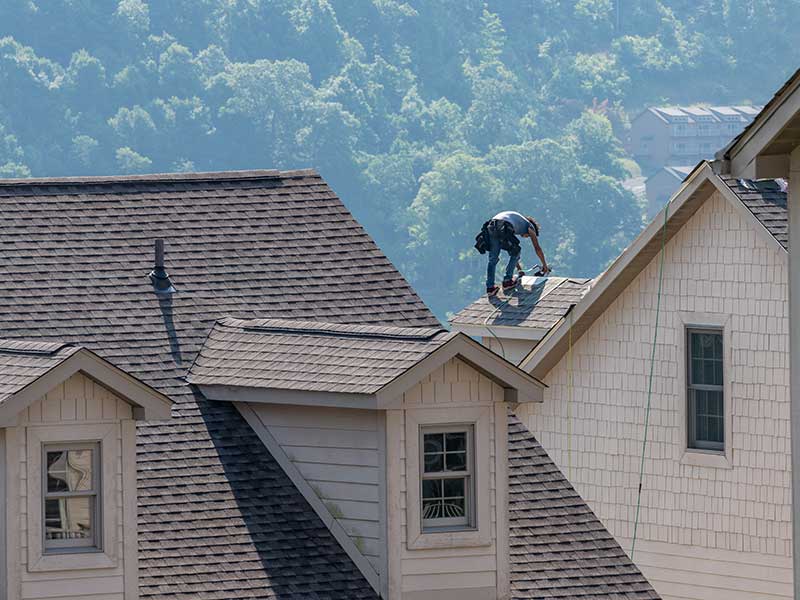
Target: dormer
x,y
397,437
68,472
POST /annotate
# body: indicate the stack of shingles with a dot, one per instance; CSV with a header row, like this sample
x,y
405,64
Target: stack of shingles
x,y
559,549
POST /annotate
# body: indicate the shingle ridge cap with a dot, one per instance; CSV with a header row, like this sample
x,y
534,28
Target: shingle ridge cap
x,y
200,176
314,327
33,348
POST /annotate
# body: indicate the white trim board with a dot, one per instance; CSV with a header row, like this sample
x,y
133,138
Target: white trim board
x,y
338,532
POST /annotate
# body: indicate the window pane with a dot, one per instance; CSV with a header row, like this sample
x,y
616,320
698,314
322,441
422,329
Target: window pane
x,y
432,488
456,441
69,471
453,488
432,509
68,518
433,463
709,423
434,442
456,461
706,358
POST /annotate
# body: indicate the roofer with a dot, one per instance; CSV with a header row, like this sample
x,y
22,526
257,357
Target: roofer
x,y
500,233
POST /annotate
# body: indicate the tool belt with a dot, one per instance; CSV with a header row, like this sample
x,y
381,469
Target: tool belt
x,y
503,230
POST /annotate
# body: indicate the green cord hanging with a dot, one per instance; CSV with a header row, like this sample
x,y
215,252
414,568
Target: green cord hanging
x,y
650,382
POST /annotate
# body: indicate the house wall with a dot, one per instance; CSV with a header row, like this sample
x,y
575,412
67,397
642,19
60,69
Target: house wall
x,y
660,188
513,350
707,531
337,451
649,141
469,567
74,406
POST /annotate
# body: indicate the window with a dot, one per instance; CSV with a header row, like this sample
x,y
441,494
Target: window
x,y
706,416
447,477
71,499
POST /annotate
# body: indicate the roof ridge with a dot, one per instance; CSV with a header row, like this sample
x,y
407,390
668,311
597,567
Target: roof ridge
x,y
200,176
32,348
312,327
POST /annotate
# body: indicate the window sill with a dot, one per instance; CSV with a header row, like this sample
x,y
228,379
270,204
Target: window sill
x,y
65,561
449,539
706,458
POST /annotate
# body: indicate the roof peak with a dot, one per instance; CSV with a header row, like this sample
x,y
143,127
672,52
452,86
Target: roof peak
x,y
200,176
313,327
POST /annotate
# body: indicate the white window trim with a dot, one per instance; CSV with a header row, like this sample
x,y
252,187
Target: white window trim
x,y
695,456
480,534
92,545
468,474
108,438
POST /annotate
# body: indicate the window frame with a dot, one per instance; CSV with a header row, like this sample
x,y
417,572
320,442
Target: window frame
x,y
467,522
95,495
692,443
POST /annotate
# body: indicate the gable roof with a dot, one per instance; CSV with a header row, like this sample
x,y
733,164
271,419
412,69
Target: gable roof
x,y
538,303
695,190
76,253
767,200
29,369
558,547
772,133
362,366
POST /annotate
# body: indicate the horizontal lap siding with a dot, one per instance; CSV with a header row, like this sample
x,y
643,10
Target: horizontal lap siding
x,y
336,451
77,400
717,263
472,569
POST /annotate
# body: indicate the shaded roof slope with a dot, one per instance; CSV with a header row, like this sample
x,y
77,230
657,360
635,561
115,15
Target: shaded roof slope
x,y
311,356
766,199
538,303
558,547
23,362
75,254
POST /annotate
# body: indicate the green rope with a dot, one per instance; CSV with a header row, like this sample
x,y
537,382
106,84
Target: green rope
x,y
650,382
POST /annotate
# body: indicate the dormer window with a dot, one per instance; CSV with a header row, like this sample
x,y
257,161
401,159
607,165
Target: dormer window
x,y
71,499
447,476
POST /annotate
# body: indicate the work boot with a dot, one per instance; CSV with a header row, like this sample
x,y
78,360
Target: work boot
x,y
492,291
510,284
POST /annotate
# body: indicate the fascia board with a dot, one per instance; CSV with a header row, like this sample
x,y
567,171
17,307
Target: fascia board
x,y
765,128
148,403
232,393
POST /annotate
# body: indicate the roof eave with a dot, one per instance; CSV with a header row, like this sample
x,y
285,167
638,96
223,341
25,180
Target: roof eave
x,y
268,395
516,332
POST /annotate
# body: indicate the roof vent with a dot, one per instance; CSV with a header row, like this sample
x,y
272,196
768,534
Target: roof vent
x,y
159,276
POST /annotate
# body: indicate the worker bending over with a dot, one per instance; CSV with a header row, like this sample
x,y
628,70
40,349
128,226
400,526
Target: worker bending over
x,y
501,233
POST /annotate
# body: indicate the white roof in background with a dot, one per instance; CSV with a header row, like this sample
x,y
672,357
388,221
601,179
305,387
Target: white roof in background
x,y
728,111
749,110
697,111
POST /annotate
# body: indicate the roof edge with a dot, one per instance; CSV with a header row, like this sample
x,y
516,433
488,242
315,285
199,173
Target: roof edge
x,y
199,176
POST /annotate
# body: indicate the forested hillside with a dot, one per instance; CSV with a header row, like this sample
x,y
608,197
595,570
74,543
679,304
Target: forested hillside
x,y
426,116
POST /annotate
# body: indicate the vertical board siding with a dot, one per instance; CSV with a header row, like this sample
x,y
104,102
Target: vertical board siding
x,y
78,400
336,451
470,570
717,263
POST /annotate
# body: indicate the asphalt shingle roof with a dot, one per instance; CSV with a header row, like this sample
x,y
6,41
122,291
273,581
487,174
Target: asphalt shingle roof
x,y
218,518
23,362
766,199
310,355
537,303
558,547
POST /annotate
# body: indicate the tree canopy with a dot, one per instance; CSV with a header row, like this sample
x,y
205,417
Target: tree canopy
x,y
426,117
